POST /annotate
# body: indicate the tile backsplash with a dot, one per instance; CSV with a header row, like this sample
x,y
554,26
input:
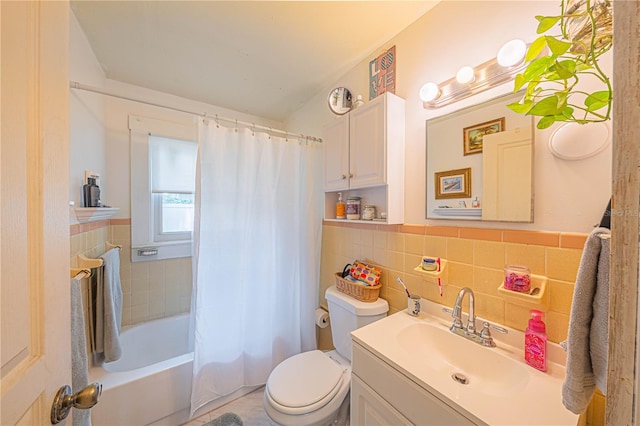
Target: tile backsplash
x,y
475,258
151,290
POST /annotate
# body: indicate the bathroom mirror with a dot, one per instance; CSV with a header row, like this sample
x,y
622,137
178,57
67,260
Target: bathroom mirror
x,y
340,100
479,163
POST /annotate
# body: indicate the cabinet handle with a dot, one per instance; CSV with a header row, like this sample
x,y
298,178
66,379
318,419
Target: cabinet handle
x,y
344,177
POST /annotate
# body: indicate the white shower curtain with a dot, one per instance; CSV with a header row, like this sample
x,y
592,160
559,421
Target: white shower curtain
x,y
257,256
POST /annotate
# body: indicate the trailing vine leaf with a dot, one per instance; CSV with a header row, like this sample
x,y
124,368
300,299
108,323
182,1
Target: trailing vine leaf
x,y
562,60
546,22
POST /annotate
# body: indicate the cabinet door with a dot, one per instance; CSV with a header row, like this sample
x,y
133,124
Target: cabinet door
x,y
368,144
368,408
335,142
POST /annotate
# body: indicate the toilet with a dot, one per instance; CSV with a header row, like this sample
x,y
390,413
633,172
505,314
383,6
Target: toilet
x,y
312,388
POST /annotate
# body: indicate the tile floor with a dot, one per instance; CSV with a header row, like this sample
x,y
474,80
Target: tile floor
x,y
248,407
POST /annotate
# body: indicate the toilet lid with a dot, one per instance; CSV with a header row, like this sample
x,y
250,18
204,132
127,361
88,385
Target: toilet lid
x,y
305,379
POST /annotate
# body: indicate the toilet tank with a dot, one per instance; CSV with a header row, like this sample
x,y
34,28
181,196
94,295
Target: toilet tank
x,y
347,314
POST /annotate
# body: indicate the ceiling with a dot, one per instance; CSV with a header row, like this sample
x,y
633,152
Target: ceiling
x,y
263,58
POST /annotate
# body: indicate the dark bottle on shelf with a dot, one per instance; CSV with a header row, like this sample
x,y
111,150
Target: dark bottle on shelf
x,y
91,193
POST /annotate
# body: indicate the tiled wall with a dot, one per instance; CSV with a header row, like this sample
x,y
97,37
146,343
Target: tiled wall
x,y
476,258
151,290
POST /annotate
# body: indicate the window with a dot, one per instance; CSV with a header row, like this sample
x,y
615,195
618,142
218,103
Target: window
x,y
173,171
173,216
163,165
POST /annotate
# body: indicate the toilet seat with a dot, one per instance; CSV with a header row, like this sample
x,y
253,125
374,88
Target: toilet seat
x,y
305,382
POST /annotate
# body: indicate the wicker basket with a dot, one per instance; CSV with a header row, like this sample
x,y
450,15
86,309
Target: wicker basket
x,y
361,292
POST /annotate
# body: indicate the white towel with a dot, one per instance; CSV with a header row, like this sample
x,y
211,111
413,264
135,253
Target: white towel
x,y
588,340
109,310
79,361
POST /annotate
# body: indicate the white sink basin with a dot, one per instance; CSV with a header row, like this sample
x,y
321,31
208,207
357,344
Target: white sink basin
x,y
502,389
451,354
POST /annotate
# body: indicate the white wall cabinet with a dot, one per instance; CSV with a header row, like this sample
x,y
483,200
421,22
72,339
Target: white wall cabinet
x,y
364,156
380,394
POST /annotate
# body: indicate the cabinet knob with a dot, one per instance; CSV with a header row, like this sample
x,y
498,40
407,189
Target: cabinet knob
x,y
344,177
350,175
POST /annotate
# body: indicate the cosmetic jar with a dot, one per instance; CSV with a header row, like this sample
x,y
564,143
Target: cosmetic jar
x,y
517,278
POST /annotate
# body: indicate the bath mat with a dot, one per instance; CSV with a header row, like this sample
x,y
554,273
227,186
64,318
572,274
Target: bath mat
x,y
227,419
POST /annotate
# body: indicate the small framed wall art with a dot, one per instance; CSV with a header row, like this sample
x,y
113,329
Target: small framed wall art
x,y
453,184
473,135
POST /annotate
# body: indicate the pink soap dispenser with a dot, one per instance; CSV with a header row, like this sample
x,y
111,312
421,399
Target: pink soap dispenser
x,y
535,342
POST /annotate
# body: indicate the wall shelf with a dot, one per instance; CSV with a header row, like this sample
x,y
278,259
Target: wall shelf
x,y
94,214
434,274
531,301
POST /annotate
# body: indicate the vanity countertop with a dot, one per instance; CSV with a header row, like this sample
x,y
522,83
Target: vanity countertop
x,y
502,388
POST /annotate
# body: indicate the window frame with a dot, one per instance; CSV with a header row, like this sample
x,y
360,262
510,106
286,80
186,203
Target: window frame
x,y
143,208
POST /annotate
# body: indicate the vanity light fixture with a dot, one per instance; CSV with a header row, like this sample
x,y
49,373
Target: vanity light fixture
x,y
512,53
429,92
465,75
470,81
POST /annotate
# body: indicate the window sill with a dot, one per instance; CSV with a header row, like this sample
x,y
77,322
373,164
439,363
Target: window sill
x,y
160,251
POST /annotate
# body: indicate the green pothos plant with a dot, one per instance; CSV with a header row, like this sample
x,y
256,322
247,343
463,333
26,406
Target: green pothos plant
x,y
557,61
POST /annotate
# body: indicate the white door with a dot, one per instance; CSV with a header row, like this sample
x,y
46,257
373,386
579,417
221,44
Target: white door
x,y
506,175
34,215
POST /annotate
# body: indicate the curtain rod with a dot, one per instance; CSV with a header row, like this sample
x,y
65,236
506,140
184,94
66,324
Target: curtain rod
x,y
216,117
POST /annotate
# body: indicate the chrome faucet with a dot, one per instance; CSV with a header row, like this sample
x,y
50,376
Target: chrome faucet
x,y
457,312
469,332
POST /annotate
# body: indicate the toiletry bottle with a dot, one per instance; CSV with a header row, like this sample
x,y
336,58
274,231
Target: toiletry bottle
x,y
95,195
475,203
91,193
340,207
86,192
535,342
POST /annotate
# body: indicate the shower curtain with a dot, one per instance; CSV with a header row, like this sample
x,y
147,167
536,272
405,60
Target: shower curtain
x,y
257,256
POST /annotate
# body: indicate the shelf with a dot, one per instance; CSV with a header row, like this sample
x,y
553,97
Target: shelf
x,y
532,301
455,211
369,222
434,274
94,214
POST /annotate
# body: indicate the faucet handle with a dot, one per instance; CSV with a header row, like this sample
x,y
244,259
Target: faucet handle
x,y
485,334
486,326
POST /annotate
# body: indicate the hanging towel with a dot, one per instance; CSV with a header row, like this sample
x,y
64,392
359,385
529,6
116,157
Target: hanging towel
x,y
79,361
587,341
109,310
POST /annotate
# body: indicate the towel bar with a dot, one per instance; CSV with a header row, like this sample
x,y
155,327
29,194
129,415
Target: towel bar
x,y
89,263
80,273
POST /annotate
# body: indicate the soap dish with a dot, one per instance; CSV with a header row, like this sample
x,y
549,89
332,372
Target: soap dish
x,y
537,298
436,273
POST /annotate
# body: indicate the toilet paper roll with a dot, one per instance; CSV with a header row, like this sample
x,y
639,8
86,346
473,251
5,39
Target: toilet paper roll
x,y
322,318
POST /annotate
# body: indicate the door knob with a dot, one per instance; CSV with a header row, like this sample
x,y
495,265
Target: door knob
x,y
83,399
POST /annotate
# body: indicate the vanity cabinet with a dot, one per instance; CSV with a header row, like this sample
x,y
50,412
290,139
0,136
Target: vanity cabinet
x,y
382,395
364,156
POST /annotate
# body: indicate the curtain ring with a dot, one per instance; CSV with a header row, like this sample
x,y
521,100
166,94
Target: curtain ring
x,y
269,133
253,129
236,129
217,123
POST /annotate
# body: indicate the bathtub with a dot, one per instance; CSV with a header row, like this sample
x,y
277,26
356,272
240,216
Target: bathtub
x,y
151,382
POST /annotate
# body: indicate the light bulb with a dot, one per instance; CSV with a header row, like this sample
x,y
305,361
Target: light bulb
x,y
429,92
465,75
512,53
